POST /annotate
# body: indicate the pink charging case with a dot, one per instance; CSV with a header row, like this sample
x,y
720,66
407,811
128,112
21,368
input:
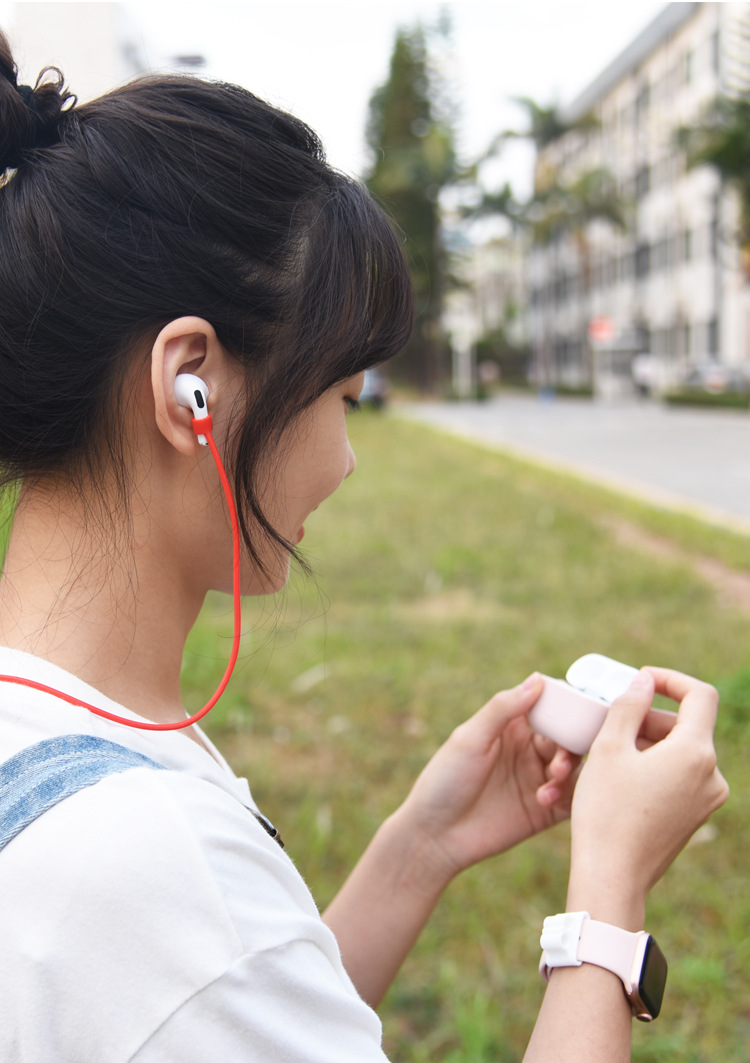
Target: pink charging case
x,y
567,716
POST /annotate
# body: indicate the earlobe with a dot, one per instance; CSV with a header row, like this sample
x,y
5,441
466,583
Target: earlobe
x,y
186,345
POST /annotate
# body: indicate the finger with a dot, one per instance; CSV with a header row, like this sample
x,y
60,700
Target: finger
x,y
699,701
562,765
545,748
657,725
548,794
627,714
485,726
559,792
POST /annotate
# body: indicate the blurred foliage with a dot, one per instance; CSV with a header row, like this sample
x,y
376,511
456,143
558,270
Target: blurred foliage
x,y
570,207
722,140
544,125
447,571
557,209
556,206
511,360
733,400
410,134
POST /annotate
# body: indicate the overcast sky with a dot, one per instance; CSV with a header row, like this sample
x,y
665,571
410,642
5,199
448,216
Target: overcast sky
x,y
322,59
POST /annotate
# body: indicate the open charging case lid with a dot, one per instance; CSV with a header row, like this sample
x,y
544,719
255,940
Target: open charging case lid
x,y
572,712
600,677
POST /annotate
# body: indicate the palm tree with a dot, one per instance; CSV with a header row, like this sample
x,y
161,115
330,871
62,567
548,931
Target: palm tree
x,y
722,140
544,125
571,207
556,208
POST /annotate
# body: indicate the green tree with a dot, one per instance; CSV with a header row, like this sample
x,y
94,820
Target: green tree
x,y
413,159
722,140
544,125
570,207
567,209
557,208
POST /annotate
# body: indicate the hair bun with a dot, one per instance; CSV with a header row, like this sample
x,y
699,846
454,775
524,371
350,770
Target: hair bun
x,y
28,116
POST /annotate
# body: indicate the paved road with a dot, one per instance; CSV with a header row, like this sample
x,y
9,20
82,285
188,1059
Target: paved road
x,y
695,460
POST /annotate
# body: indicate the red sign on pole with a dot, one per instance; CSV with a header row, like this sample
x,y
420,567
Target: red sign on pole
x,y
602,330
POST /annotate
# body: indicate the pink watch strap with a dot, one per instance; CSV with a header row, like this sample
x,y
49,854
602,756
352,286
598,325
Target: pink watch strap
x,y
610,947
573,938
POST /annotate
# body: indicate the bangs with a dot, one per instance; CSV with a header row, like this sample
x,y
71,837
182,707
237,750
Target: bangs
x,y
354,309
357,304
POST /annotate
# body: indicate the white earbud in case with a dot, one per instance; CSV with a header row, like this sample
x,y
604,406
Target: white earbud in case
x,y
571,713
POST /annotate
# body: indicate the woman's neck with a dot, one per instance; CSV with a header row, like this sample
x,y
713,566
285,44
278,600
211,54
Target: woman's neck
x,y
97,598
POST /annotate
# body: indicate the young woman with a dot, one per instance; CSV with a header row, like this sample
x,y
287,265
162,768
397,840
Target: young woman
x,y
179,251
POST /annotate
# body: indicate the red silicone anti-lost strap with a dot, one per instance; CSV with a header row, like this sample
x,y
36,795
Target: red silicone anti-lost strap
x,y
202,426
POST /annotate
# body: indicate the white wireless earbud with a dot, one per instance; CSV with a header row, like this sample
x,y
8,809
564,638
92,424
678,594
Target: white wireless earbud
x,y
192,392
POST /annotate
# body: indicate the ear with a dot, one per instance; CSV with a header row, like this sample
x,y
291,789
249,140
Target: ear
x,y
185,345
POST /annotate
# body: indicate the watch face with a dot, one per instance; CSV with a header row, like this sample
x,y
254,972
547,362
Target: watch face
x,y
652,980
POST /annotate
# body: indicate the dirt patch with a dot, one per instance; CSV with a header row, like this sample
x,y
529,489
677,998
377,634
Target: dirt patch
x,y
447,606
732,587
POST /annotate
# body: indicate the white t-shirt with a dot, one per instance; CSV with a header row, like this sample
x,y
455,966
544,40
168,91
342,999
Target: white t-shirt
x,y
151,918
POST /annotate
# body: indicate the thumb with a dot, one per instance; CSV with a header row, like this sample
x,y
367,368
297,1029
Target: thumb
x,y
628,712
492,718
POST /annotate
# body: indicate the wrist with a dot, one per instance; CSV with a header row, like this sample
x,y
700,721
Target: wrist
x,y
419,863
608,898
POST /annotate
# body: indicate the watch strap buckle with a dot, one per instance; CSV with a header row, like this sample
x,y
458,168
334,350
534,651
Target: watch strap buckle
x,y
560,937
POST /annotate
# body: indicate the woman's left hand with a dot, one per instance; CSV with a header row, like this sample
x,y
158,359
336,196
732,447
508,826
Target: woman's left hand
x,y
491,785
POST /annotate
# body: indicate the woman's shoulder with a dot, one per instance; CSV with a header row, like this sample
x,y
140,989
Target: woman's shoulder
x,y
166,836
138,893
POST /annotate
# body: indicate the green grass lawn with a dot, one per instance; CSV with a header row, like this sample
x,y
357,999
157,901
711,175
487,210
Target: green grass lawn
x,y
444,572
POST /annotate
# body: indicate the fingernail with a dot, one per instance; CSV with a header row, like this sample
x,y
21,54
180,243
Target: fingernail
x,y
641,680
531,682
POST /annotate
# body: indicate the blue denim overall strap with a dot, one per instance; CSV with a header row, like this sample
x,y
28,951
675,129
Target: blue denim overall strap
x,y
37,778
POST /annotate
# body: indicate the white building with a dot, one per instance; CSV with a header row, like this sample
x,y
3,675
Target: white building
x,y
490,299
670,285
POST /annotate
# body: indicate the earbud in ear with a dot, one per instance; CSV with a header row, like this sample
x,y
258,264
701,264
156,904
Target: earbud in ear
x,y
192,392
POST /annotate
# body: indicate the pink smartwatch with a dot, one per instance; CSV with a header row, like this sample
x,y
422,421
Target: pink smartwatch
x,y
574,938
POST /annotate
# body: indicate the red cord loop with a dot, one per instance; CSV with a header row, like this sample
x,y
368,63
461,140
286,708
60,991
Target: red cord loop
x,y
202,426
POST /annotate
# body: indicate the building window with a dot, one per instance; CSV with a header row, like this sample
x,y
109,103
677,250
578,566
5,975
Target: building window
x,y
686,245
642,260
687,67
642,182
561,289
660,256
713,336
715,53
642,101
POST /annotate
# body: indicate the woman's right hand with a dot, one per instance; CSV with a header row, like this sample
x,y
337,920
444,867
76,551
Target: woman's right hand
x,y
650,781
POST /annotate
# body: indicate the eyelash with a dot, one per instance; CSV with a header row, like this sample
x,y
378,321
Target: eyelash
x,y
352,405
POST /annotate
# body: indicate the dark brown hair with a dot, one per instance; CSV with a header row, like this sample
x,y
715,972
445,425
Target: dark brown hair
x,y
175,196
